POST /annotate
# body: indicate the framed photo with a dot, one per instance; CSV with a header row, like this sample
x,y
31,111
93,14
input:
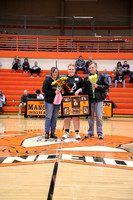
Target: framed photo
x,y
66,99
83,98
66,111
75,106
85,109
75,102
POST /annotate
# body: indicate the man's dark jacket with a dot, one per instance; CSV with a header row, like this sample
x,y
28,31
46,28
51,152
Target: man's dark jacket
x,y
23,99
101,90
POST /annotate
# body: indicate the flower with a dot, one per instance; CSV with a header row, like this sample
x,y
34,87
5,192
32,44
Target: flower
x,y
93,80
61,83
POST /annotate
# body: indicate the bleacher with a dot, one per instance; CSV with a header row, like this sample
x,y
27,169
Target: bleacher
x,y
13,85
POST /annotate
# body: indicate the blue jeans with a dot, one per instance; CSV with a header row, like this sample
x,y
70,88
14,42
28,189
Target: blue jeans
x,y
109,80
51,114
82,69
87,70
98,109
123,83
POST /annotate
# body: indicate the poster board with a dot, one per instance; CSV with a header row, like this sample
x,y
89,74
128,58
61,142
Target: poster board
x,y
35,107
107,109
78,105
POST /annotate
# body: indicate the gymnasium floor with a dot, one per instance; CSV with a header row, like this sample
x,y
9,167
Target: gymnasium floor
x,y
88,169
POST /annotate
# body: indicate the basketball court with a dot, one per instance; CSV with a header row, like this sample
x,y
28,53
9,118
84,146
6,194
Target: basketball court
x,y
32,168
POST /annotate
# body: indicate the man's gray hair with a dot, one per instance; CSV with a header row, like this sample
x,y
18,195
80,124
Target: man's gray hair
x,y
94,63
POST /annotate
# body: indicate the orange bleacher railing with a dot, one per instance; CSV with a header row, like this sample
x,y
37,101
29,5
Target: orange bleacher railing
x,y
66,44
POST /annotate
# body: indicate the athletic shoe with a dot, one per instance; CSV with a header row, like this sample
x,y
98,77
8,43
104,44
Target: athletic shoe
x,y
77,136
100,137
65,136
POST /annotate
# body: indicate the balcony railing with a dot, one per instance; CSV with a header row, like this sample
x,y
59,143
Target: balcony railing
x,y
66,44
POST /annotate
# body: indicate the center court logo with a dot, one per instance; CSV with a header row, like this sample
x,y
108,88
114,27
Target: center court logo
x,y
25,148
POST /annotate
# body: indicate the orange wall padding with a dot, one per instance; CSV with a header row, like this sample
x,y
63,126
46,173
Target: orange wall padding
x,y
66,55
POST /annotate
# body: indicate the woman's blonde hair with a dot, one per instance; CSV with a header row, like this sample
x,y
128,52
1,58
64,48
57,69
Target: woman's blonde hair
x,y
53,70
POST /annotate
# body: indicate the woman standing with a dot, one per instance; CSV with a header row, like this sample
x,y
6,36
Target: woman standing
x,y
51,110
75,82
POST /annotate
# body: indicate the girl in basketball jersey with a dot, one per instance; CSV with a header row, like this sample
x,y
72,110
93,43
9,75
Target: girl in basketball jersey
x,y
75,82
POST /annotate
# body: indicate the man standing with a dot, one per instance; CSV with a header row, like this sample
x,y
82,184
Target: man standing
x,y
80,65
97,93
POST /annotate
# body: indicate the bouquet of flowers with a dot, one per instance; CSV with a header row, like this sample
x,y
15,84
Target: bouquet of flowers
x,y
59,85
93,80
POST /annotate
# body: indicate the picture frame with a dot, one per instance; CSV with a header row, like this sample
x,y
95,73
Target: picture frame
x,y
73,106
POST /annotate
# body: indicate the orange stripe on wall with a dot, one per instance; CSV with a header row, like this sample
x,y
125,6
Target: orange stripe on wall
x,y
66,55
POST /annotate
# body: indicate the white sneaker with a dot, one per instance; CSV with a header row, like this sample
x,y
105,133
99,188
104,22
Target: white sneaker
x,y
32,76
77,136
65,136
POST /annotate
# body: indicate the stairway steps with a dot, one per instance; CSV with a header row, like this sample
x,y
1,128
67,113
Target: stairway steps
x,y
124,105
122,100
121,94
123,111
21,83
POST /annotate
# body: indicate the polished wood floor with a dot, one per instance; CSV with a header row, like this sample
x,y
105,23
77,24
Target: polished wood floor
x,y
75,179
